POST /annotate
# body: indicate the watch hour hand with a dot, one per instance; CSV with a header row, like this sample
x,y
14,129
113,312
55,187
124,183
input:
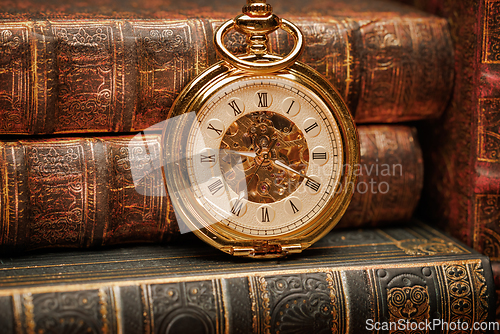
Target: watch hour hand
x,y
284,166
243,153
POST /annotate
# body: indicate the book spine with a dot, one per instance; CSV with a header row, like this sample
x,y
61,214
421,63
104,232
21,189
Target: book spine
x,y
463,191
81,76
390,177
495,268
81,192
345,300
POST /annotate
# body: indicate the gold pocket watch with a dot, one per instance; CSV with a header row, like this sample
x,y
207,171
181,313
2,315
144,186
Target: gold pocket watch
x,y
264,148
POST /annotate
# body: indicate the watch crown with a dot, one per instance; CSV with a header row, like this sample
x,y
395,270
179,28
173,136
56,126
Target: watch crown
x,y
257,8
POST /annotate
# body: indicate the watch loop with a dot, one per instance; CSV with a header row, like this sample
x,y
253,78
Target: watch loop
x,y
257,40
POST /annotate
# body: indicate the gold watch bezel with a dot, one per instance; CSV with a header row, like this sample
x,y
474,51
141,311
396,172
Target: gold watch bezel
x,y
193,98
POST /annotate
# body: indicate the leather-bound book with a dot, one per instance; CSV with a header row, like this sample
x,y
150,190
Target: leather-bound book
x,y
495,267
94,191
399,280
117,66
463,188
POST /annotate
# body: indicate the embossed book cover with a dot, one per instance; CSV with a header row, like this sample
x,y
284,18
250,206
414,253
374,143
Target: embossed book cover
x,y
348,282
117,66
463,147
80,192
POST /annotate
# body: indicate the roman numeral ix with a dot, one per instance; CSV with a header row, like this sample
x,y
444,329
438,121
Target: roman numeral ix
x,y
208,158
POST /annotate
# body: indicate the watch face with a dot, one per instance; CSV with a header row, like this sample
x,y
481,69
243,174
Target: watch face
x,y
265,157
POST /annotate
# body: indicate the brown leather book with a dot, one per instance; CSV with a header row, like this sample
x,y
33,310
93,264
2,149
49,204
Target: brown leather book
x,y
117,66
463,188
93,191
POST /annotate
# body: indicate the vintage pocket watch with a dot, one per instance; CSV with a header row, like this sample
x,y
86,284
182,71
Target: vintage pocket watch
x,y
262,152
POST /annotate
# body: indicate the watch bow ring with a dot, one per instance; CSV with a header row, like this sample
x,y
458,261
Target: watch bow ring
x,y
260,148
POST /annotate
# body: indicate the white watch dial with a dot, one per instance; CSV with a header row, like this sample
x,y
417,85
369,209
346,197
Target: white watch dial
x,y
265,157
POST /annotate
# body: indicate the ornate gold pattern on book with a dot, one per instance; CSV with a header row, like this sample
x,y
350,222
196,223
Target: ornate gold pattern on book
x,y
300,302
29,312
57,180
491,33
481,295
103,310
121,75
337,300
408,303
88,103
62,312
168,60
177,303
264,306
428,247
465,303
138,206
489,137
15,78
487,215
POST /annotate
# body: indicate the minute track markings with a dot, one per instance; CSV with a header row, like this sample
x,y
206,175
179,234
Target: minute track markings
x,y
332,137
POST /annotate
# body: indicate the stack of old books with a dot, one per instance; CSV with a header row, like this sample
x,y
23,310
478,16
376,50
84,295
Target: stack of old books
x,y
78,82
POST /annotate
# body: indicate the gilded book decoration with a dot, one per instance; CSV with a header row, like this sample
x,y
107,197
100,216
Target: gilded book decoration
x,y
409,303
461,280
196,303
385,44
170,54
58,177
86,81
81,193
289,303
491,38
487,213
489,136
15,77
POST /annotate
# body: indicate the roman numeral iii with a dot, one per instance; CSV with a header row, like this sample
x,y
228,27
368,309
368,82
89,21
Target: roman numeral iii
x,y
313,185
215,187
319,156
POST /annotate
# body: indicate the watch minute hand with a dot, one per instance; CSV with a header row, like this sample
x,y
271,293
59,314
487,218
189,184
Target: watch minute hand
x,y
282,165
